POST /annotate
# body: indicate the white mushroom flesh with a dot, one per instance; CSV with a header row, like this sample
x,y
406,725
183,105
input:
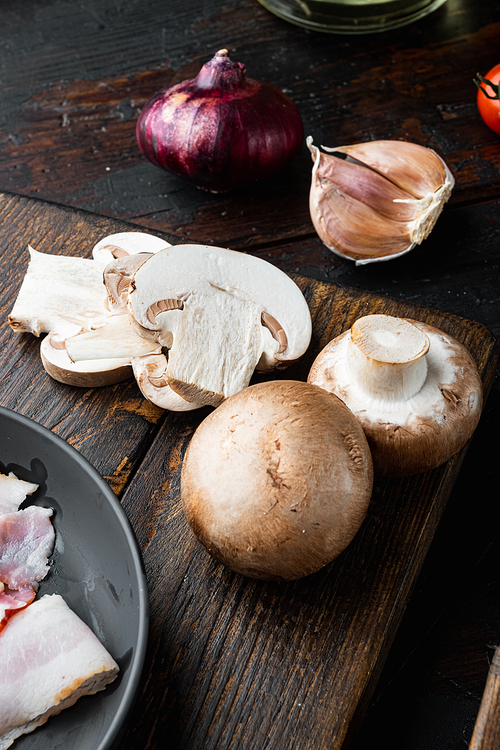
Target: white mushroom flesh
x,y
386,357
56,290
121,244
87,373
396,392
117,339
209,362
150,374
116,278
222,313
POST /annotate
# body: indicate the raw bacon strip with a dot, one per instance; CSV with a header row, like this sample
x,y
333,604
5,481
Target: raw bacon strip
x,y
13,491
11,601
26,542
49,659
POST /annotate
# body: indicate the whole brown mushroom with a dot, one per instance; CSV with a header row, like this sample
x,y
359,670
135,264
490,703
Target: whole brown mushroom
x,y
414,388
277,480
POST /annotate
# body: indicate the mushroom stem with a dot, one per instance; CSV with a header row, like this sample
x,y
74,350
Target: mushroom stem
x,y
116,339
387,357
210,361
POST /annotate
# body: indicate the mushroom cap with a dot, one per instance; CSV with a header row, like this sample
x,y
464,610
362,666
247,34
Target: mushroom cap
x,y
413,435
121,244
277,480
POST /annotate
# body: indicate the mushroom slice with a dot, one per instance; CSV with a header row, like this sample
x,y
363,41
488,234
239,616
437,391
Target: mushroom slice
x,y
216,347
150,374
117,276
122,244
117,339
414,388
57,290
86,373
222,313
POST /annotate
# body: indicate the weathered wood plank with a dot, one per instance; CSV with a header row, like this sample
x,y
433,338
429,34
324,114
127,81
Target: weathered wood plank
x,y
107,425
67,130
235,662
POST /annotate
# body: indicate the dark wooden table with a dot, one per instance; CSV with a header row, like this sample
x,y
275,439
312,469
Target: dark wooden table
x,y
73,78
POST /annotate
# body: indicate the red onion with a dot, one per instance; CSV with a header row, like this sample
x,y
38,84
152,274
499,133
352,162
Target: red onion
x,y
220,130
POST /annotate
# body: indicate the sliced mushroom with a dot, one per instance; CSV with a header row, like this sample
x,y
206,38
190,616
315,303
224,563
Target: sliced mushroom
x,y
277,480
122,244
117,277
94,358
66,297
216,347
222,313
150,374
117,339
86,374
414,388
57,290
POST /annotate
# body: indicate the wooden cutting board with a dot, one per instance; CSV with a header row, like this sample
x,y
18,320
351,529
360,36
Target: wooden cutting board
x,y
233,663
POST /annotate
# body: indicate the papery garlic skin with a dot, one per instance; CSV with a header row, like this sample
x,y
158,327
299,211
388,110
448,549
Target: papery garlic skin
x,y
381,205
414,168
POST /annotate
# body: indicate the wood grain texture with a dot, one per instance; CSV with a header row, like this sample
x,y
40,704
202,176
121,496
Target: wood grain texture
x,y
67,128
486,735
234,662
241,663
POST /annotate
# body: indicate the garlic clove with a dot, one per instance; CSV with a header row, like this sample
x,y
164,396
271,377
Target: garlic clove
x,y
414,168
382,204
364,185
341,223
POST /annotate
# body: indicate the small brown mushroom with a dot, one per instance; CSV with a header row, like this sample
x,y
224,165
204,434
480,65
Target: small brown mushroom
x,y
277,480
414,388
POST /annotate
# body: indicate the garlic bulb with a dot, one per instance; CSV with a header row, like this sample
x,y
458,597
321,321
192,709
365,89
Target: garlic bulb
x,y
378,202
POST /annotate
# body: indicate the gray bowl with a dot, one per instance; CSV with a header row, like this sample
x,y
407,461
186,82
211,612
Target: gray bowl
x,y
96,567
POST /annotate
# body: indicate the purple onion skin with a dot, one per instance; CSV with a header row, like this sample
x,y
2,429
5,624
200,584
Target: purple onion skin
x,y
220,130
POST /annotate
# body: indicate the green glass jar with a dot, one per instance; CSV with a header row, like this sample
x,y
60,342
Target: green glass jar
x,y
351,16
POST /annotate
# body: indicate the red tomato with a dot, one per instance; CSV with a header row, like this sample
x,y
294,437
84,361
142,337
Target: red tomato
x,y
489,109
